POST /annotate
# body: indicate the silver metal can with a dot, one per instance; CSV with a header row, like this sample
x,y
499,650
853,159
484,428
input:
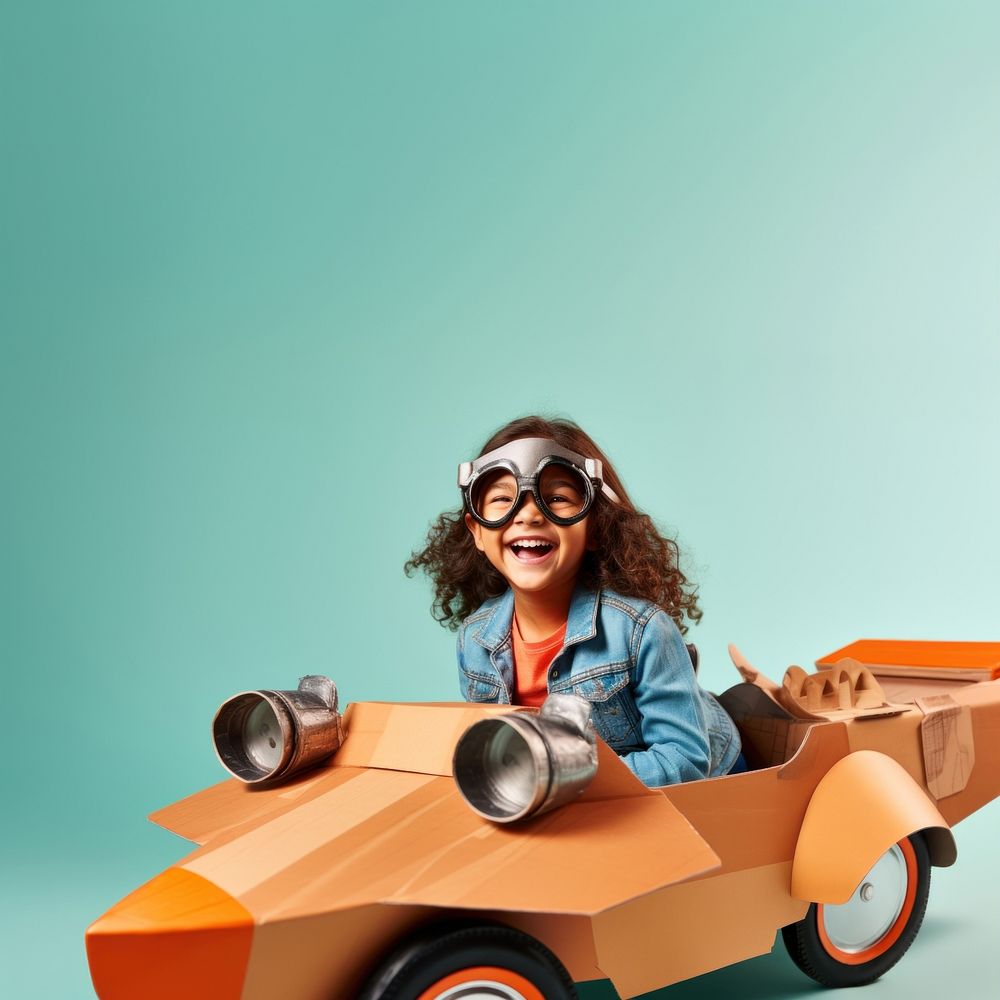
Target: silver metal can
x,y
513,766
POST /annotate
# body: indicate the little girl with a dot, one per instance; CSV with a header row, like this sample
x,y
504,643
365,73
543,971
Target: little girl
x,y
557,583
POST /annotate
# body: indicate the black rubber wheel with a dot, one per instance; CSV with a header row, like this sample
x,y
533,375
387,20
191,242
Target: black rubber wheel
x,y
854,944
477,961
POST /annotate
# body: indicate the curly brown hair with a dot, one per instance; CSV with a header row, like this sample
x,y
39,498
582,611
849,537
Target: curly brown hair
x,y
626,552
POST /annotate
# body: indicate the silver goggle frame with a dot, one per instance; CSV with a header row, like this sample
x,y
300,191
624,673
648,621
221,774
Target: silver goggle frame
x,y
525,459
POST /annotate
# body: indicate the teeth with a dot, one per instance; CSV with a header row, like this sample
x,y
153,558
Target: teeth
x,y
532,543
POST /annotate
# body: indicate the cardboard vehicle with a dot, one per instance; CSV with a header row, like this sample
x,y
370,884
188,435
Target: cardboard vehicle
x,y
370,876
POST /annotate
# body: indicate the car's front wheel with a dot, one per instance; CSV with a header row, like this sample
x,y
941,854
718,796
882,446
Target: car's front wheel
x,y
856,942
471,962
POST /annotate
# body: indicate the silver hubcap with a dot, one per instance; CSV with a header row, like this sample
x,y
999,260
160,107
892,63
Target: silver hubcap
x,y
873,908
481,989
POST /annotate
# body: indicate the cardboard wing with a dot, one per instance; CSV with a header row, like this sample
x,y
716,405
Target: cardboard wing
x,y
384,822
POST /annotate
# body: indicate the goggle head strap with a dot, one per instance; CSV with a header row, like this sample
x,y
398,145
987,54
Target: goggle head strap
x,y
526,455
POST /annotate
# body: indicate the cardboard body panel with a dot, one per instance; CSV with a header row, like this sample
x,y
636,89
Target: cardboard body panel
x,y
901,739
686,930
569,937
331,955
325,955
983,701
753,819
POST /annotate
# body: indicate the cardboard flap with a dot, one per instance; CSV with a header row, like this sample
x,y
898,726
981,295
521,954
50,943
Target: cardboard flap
x,y
847,690
948,742
378,835
614,780
230,804
419,738
580,859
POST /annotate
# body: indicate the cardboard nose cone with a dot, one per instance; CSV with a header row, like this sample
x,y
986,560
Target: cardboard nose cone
x,y
177,936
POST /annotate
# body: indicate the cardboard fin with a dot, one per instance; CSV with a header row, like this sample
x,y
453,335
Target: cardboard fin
x,y
550,853
412,737
228,805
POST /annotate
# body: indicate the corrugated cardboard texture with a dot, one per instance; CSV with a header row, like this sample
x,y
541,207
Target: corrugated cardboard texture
x,y
845,692
770,736
983,701
846,685
948,744
901,739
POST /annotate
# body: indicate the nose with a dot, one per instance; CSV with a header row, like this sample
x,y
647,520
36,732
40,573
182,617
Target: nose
x,y
528,513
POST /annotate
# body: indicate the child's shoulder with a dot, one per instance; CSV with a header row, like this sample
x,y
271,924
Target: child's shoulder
x,y
486,608
637,616
638,609
485,611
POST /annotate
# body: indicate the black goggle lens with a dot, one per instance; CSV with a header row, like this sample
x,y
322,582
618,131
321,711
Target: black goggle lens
x,y
493,494
564,491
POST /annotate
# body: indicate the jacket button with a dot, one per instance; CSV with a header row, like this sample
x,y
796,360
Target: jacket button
x,y
555,674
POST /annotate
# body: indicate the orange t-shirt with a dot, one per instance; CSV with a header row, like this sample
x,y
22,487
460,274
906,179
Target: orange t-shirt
x,y
531,665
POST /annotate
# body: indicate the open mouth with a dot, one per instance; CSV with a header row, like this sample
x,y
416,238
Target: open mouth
x,y
531,550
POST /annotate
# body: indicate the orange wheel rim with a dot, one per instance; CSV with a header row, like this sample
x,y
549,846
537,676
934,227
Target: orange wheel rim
x,y
892,935
484,974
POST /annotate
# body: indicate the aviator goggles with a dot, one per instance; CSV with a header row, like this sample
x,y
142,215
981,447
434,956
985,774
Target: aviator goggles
x,y
562,483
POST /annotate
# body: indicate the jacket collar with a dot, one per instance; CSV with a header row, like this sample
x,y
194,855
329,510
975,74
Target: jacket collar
x,y
581,623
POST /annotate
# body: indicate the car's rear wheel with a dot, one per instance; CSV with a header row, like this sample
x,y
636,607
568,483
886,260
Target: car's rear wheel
x,y
471,962
856,942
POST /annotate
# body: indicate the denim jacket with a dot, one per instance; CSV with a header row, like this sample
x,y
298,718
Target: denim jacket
x,y
627,658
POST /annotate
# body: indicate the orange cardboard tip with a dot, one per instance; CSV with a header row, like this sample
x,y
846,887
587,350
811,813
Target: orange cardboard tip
x,y
889,656
177,935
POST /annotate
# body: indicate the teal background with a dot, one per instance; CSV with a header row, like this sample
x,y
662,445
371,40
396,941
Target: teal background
x,y
270,271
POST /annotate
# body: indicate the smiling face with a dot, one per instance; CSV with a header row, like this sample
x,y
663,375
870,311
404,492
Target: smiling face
x,y
533,554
